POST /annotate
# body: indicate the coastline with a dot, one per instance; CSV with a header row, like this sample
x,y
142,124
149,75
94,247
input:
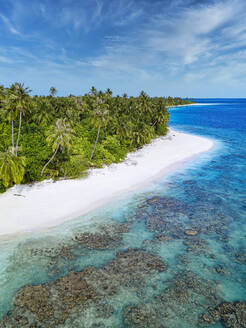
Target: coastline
x,y
185,105
46,204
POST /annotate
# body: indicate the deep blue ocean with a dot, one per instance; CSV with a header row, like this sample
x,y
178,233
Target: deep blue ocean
x,y
169,256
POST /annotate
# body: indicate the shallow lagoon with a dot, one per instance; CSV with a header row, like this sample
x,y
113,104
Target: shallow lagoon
x,y
137,265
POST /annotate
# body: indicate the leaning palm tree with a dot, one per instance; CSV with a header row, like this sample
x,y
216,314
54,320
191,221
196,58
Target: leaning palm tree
x,y
12,168
22,96
60,138
100,118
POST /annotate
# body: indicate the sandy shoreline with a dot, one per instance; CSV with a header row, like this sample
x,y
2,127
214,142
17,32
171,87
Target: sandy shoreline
x,y
195,104
47,204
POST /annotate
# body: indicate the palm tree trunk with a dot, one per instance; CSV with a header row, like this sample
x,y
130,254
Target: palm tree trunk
x,y
18,138
13,145
52,157
98,132
154,123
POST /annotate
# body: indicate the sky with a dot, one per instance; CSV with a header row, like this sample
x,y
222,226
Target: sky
x,y
187,48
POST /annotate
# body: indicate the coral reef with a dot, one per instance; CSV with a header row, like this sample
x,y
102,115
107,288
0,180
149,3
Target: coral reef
x,y
230,314
51,304
107,237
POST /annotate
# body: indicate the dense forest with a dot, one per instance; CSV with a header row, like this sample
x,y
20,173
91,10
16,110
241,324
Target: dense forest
x,y
61,137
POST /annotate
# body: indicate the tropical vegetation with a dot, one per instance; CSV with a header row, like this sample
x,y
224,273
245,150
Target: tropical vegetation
x,y
61,137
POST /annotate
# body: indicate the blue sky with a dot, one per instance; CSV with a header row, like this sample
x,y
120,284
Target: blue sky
x,y
178,48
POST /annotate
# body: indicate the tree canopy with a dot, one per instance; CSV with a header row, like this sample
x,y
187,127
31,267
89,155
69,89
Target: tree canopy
x,y
64,136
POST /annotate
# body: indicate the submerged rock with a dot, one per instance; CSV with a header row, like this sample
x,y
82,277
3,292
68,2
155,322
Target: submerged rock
x,y
52,303
161,215
97,240
186,296
61,250
139,315
162,237
135,261
104,310
107,237
196,245
142,315
230,314
179,303
191,232
168,203
240,256
35,299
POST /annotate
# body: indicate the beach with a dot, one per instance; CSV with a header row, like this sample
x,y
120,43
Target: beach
x,y
27,208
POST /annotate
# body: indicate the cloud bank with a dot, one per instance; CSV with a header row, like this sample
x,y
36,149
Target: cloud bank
x,y
180,47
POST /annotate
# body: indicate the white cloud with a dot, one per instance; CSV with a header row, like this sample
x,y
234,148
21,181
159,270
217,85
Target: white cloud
x,y
129,17
5,60
11,28
175,41
193,34
159,42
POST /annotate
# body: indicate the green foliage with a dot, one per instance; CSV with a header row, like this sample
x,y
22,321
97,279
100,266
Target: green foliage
x,y
5,136
59,137
101,157
113,146
11,168
64,136
161,130
2,188
75,167
35,149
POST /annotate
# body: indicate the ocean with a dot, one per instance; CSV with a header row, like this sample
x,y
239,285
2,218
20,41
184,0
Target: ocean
x,y
172,255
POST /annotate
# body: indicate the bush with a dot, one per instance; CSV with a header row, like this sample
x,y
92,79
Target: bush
x,y
75,167
36,151
113,145
2,188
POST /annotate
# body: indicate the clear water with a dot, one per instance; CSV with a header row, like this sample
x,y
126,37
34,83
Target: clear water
x,y
207,196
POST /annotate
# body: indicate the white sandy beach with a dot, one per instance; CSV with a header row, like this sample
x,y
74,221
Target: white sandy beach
x,y
47,204
195,104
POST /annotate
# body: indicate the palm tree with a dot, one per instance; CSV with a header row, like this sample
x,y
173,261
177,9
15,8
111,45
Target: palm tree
x,y
53,91
109,92
22,94
100,118
9,110
42,111
93,91
144,103
122,126
160,114
60,138
2,95
12,168
81,107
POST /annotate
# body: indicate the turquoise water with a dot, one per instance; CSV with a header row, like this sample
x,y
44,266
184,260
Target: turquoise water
x,y
137,265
